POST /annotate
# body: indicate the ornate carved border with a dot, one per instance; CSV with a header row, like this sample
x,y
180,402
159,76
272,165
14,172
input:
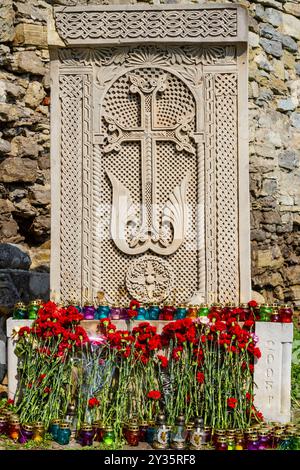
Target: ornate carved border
x,y
101,25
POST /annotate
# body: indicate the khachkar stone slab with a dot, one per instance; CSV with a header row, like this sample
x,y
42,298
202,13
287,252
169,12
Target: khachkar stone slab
x,y
149,153
272,373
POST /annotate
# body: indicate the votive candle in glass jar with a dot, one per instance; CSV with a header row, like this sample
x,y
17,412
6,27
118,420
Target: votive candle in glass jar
x,y
217,434
203,310
253,442
98,427
101,312
265,312
207,435
150,432
245,314
230,443
167,313
275,316
88,311
286,314
54,427
26,433
153,312
3,425
14,427
38,431
192,311
132,435
239,441
33,309
20,311
86,435
141,314
143,431
264,441
109,436
161,434
247,433
222,443
63,434
180,312
179,434
195,438
276,439
115,313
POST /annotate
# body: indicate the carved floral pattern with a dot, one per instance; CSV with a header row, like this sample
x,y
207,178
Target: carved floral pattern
x,y
149,279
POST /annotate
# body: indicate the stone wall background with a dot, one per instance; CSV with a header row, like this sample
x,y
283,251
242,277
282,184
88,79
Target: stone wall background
x,y
274,121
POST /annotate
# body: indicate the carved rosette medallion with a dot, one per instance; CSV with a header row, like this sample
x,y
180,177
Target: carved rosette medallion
x,y
149,279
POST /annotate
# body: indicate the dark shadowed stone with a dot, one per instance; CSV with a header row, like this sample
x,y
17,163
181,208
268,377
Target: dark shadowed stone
x,y
12,257
2,349
21,285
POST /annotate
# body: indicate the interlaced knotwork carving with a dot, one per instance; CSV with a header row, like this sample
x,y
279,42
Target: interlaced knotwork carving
x,y
227,185
210,196
71,202
113,26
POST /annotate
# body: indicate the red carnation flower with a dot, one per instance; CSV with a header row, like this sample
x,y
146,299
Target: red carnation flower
x,y
200,377
131,313
154,394
231,402
25,330
163,361
10,401
134,304
93,402
47,390
252,304
41,377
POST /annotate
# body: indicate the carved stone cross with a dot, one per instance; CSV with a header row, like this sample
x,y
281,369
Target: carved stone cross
x,y
148,234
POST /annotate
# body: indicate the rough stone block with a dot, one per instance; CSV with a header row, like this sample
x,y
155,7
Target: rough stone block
x,y
17,169
272,372
291,26
11,256
30,34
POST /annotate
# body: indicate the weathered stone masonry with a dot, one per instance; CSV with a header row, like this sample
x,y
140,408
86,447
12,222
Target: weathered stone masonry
x,y
274,120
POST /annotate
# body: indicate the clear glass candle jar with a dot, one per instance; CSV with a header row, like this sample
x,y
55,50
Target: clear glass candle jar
x,y
286,314
54,427
221,444
196,434
63,434
14,427
179,434
86,435
206,435
3,425
38,432
20,311
132,435
230,443
143,431
253,442
26,433
109,436
161,433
